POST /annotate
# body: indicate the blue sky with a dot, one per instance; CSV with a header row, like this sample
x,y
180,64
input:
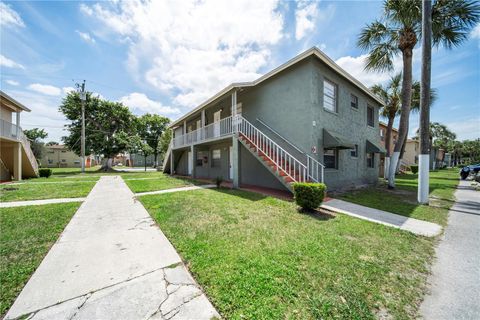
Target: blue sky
x,y
165,58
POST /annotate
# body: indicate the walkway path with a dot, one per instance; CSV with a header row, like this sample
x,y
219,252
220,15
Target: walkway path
x,y
207,186
455,279
419,227
112,262
38,202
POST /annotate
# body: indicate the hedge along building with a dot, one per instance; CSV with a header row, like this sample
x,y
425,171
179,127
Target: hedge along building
x,y
307,120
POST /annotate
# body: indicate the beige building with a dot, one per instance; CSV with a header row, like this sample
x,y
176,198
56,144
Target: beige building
x,y
16,157
59,156
412,149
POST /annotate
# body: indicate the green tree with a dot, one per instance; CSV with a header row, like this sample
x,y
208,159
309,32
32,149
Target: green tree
x,y
164,143
397,33
35,136
135,144
106,126
391,94
52,143
150,128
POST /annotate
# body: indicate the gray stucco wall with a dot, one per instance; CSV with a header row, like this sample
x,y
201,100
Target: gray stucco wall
x,y
206,170
254,173
292,104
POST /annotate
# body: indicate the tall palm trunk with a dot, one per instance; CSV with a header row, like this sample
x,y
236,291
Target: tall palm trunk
x,y
388,143
407,54
424,158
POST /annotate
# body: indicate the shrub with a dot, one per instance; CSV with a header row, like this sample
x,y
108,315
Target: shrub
x,y
218,181
309,195
414,169
45,172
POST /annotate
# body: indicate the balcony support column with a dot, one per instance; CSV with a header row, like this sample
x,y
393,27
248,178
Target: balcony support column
x,y
184,131
17,161
172,166
17,123
192,160
202,115
236,162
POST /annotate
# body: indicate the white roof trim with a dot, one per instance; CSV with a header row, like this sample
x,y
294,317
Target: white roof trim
x,y
314,51
15,103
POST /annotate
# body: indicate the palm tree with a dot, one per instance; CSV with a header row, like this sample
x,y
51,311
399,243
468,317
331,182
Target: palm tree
x,y
397,33
390,93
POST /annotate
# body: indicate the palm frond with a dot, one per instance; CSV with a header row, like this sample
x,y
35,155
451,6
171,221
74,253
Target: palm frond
x,y
404,13
381,57
452,21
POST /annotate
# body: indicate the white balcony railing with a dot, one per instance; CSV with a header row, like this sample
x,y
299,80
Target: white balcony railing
x,y
215,130
14,132
310,170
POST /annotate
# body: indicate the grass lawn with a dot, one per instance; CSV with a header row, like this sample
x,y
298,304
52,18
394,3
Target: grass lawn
x,y
37,191
160,182
258,258
403,200
27,233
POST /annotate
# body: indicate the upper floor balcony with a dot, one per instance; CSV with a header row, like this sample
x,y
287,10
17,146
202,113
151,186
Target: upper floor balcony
x,y
216,130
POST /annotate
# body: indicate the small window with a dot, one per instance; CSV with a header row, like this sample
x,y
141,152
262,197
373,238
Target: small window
x,y
330,157
354,101
76,162
370,116
382,135
330,96
64,160
370,160
354,152
200,156
216,155
50,161
63,151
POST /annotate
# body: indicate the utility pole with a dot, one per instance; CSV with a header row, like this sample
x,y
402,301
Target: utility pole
x,y
424,158
83,97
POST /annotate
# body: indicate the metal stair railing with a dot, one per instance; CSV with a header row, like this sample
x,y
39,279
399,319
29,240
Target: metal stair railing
x,y
283,160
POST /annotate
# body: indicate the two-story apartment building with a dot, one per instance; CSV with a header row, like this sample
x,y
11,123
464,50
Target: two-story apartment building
x,y
16,157
307,120
59,156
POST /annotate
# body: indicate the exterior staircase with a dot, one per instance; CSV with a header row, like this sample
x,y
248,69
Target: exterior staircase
x,y
282,164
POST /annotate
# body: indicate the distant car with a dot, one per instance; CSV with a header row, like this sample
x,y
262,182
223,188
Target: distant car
x,y
465,171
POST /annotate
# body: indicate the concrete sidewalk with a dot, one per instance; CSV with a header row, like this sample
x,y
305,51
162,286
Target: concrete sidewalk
x,y
207,186
112,262
455,279
419,227
38,202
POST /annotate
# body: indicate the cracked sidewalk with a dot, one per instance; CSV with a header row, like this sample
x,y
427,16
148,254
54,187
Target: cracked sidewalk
x,y
112,262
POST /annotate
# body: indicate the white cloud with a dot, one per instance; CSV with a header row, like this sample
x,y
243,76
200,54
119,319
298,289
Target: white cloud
x,y
475,33
12,82
468,128
45,89
67,90
305,17
86,37
140,103
9,16
195,48
356,67
5,62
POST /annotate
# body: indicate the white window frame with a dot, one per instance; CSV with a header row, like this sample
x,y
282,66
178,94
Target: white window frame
x,y
335,155
354,150
334,98
373,160
356,98
373,116
215,158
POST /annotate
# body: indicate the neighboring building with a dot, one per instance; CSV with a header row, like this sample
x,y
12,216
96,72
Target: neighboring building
x,y
307,120
16,157
59,156
412,150
133,160
383,139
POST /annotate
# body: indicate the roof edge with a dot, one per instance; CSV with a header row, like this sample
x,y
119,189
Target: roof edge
x,y
15,102
312,51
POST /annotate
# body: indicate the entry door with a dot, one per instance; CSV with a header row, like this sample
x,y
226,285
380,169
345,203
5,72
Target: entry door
x,y
230,163
190,162
199,132
216,123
